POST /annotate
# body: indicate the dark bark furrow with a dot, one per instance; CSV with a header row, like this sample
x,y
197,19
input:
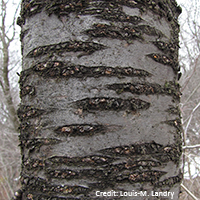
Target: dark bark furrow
x,y
26,129
23,34
103,30
117,104
80,130
175,123
124,33
42,185
174,110
38,142
151,150
171,181
56,161
94,174
170,153
60,69
170,48
135,149
116,16
42,196
170,88
109,172
165,60
27,90
32,164
65,7
160,152
149,176
101,175
25,112
94,161
71,46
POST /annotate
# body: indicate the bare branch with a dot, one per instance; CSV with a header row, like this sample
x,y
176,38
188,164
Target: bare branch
x,y
1,84
5,189
191,94
18,61
195,66
188,191
192,146
189,55
189,121
13,24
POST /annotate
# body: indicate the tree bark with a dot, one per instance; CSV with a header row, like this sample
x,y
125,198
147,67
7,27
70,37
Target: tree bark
x,y
99,100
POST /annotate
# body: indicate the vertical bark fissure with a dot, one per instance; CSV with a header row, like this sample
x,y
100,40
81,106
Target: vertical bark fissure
x,y
82,123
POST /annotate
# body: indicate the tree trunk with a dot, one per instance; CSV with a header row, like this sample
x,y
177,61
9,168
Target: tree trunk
x,y
99,100
4,82
12,113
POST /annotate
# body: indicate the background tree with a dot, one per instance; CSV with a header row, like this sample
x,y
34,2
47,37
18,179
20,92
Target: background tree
x,y
99,97
9,63
190,102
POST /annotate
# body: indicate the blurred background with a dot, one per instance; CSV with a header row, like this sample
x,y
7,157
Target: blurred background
x,y
10,67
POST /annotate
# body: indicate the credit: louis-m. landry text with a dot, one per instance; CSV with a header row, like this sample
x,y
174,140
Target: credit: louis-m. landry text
x,y
113,193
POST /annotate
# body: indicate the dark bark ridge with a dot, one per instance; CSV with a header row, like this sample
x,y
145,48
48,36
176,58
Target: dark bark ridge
x,y
174,110
46,175
165,60
58,69
33,144
170,88
27,90
79,129
26,112
104,103
87,47
124,33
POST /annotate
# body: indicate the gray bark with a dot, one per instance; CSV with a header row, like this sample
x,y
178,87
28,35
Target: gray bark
x,y
99,99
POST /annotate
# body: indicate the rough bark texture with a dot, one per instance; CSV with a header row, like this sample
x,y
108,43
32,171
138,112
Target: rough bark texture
x,y
99,99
